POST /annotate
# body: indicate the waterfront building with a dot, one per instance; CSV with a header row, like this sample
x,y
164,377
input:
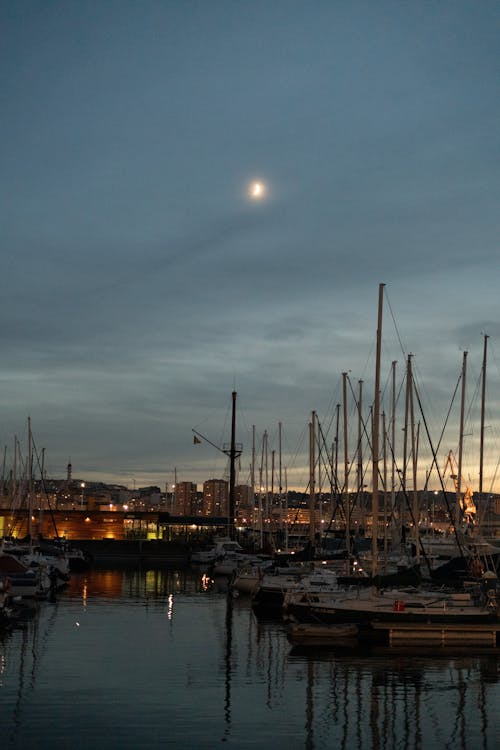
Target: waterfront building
x,y
215,497
185,501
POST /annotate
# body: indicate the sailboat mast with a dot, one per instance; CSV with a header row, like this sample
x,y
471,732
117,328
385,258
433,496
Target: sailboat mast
x,y
393,438
414,461
336,459
404,481
286,510
384,457
266,469
30,483
375,436
232,472
460,443
319,485
273,453
312,488
347,508
261,487
280,478
252,473
483,399
360,436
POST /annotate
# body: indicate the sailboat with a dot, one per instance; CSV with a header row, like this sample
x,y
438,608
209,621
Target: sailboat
x,y
49,566
463,552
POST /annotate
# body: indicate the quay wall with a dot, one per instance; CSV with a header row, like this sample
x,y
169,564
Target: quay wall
x,y
153,553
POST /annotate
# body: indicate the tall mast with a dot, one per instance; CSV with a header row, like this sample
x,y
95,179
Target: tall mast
x,y
347,508
30,482
483,399
319,485
261,488
312,488
336,459
252,474
460,443
393,439
273,453
280,478
384,456
376,422
404,481
232,473
286,511
266,470
233,450
414,460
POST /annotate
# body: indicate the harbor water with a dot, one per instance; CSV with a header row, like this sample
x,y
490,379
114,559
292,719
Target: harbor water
x,y
168,659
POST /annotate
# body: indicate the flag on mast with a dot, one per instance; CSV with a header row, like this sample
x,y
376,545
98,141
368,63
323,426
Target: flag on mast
x,y
196,440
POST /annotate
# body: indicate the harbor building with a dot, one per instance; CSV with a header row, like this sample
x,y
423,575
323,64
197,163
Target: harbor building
x,y
185,500
215,497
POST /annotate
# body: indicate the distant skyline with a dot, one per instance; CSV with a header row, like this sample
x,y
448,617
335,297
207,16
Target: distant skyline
x,y
143,279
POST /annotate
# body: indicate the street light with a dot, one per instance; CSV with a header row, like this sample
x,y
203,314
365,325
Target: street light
x,y
82,485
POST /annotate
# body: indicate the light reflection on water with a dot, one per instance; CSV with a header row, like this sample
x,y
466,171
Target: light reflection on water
x,y
164,659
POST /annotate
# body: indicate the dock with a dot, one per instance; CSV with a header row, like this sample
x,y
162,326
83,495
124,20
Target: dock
x,y
482,635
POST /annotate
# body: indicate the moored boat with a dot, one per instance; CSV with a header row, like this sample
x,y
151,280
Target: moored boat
x,y
282,583
221,547
247,579
411,606
19,580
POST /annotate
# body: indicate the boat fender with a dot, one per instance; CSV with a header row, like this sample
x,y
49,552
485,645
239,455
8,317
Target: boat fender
x,y
398,606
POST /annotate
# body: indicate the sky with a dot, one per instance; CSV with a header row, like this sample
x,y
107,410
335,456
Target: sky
x,y
141,284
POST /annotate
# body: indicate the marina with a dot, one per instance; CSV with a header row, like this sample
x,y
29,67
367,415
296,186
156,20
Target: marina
x,y
168,658
250,376
265,628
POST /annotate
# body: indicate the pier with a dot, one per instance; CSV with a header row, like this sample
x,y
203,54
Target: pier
x,y
445,635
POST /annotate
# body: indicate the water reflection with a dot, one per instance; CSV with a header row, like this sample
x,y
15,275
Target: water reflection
x,y
217,673
394,702
228,660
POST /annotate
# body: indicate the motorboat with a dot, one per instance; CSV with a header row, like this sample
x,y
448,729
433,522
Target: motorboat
x,y
221,548
281,581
